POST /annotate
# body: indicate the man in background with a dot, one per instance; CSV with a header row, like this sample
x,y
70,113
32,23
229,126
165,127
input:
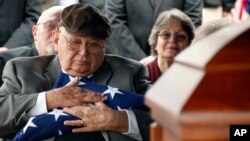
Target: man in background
x,y
16,19
42,33
132,21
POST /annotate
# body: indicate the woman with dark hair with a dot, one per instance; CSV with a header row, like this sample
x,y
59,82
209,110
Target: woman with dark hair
x,y
172,32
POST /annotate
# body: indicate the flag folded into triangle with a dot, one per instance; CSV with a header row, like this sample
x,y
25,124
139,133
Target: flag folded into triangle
x,y
51,124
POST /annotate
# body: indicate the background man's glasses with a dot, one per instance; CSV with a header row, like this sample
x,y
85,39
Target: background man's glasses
x,y
177,37
92,47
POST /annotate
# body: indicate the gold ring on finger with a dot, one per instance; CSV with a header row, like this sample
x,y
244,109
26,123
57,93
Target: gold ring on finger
x,y
81,123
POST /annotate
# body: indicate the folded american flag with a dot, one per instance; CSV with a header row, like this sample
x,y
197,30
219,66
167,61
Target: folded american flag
x,y
51,124
248,7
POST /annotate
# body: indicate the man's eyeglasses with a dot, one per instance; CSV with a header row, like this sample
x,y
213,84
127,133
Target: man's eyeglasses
x,y
177,37
92,47
48,25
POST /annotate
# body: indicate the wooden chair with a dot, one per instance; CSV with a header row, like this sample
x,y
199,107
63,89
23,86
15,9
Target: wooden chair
x,y
205,90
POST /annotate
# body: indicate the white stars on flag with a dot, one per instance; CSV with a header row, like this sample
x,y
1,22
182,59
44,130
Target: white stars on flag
x,y
112,92
29,124
57,113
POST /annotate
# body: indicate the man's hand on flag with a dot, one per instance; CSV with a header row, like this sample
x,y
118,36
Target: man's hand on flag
x,y
71,95
99,117
86,118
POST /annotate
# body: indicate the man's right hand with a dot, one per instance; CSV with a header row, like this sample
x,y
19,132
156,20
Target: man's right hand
x,y
71,95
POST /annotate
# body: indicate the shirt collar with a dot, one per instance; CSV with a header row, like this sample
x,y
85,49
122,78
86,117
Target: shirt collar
x,y
88,77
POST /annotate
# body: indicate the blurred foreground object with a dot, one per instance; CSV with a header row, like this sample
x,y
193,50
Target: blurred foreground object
x,y
205,90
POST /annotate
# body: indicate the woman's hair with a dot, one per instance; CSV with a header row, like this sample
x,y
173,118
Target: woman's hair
x,y
164,18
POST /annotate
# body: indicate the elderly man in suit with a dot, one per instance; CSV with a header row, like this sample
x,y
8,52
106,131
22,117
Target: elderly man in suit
x,y
132,21
16,20
80,41
42,33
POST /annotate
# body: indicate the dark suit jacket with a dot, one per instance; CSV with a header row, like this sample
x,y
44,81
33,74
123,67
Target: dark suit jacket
x,y
16,20
227,5
97,3
24,51
132,21
24,78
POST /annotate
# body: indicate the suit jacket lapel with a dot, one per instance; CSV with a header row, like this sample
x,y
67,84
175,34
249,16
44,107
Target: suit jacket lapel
x,y
151,4
53,70
158,8
103,74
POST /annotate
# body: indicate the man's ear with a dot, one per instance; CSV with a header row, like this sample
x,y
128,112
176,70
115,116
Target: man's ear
x,y
34,30
106,41
55,38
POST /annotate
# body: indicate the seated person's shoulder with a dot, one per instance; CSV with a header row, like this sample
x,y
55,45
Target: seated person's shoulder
x,y
35,61
18,52
122,61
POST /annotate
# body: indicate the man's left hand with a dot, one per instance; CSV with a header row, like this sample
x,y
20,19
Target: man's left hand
x,y
97,118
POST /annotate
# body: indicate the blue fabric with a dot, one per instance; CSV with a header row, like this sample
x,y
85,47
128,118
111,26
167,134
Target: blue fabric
x,y
51,124
248,7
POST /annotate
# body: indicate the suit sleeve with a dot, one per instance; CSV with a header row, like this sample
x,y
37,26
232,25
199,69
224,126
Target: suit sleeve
x,y
122,41
13,105
193,8
23,35
2,64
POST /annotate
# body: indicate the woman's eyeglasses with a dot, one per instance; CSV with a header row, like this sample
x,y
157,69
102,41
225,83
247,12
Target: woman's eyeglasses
x,y
181,37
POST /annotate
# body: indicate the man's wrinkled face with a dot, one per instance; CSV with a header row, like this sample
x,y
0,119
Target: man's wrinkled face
x,y
79,55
